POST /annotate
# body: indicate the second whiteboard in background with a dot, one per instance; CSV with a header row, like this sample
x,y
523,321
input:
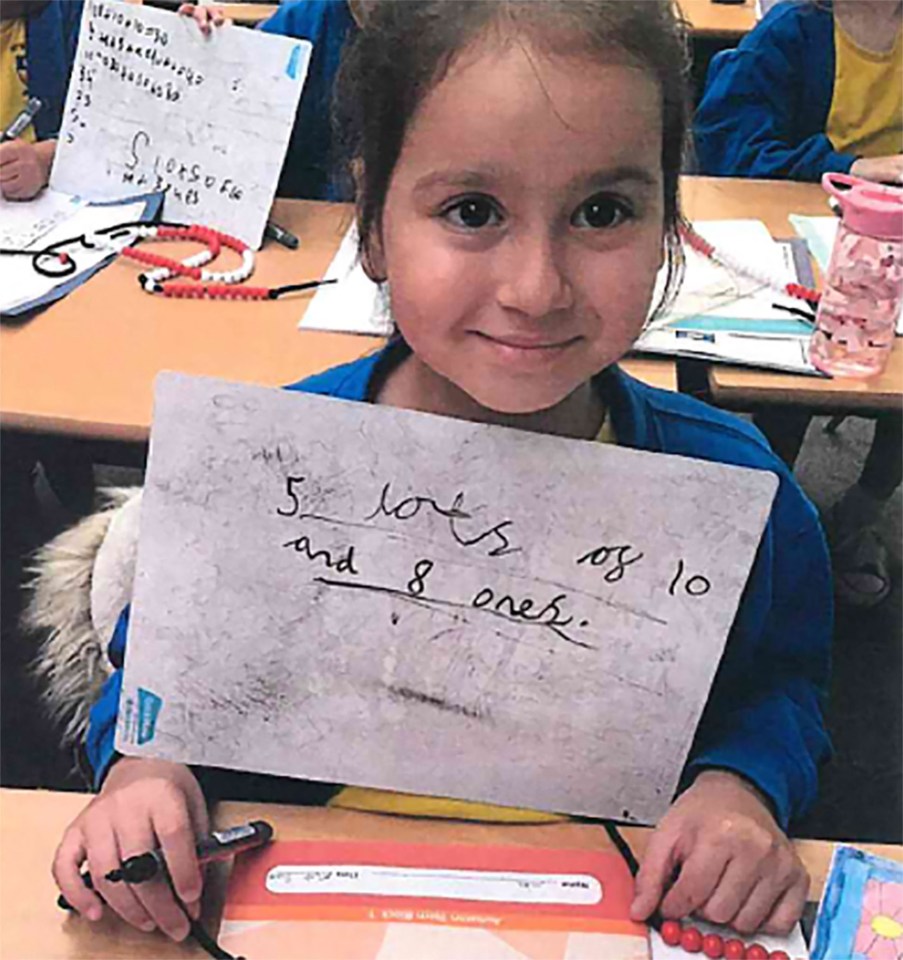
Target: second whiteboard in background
x,y
154,105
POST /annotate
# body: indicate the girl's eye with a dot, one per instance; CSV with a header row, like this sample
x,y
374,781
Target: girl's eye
x,y
472,213
602,212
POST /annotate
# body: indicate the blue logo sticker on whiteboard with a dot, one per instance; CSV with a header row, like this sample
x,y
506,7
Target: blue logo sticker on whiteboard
x,y
291,68
148,710
127,720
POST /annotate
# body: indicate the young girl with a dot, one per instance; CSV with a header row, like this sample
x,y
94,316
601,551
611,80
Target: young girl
x,y
815,88
517,169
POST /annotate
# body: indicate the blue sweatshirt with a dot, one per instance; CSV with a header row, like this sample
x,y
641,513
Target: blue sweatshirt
x,y
763,719
51,38
308,169
765,108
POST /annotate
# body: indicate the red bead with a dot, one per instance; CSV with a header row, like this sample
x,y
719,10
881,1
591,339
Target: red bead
x,y
778,955
734,950
671,931
713,946
755,951
691,940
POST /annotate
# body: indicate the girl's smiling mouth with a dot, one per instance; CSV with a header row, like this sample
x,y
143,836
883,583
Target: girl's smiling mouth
x,y
525,344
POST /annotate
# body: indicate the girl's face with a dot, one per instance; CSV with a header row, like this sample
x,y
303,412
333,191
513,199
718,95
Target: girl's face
x,y
523,225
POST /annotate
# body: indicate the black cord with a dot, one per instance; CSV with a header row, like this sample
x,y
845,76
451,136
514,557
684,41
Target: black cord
x,y
295,287
196,931
208,944
655,920
63,264
806,315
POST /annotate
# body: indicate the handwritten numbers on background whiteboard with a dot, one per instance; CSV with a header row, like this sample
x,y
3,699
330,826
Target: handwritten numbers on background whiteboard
x,y
151,108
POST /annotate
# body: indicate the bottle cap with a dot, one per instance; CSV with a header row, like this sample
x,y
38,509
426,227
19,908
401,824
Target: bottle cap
x,y
871,209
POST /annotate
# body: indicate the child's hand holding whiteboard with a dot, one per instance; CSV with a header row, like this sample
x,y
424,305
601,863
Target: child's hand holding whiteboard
x,y
361,594
154,104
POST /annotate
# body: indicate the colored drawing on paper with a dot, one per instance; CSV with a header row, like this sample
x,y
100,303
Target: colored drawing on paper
x,y
861,913
880,933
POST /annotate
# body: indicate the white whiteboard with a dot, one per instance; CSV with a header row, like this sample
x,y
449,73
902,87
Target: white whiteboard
x,y
153,105
361,594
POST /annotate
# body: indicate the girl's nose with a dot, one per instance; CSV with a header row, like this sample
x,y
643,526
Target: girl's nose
x,y
531,276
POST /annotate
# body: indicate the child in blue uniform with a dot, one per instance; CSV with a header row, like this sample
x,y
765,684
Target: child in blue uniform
x,y
817,87
517,166
309,169
38,40
309,166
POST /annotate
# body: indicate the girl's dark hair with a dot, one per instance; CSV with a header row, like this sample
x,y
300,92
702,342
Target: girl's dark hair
x,y
407,46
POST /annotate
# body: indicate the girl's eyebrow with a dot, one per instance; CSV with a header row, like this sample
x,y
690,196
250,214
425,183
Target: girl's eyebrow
x,y
622,174
486,176
458,178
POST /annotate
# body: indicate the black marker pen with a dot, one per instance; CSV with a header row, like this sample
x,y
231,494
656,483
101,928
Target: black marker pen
x,y
274,232
219,845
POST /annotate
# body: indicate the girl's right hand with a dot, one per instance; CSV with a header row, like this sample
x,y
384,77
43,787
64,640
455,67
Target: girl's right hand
x,y
144,805
206,17
880,169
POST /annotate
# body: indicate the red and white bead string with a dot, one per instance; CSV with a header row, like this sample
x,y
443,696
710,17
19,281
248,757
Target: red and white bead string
x,y
698,243
210,284
165,268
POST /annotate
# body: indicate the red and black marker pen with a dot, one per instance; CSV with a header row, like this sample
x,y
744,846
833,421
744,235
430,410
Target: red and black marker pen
x,y
219,845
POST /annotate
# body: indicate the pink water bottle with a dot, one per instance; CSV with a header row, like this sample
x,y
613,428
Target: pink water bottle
x,y
863,292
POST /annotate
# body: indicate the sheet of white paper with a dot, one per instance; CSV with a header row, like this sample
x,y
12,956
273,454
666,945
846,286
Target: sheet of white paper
x,y
362,594
793,945
819,233
711,290
20,283
21,223
353,305
488,886
155,105
789,354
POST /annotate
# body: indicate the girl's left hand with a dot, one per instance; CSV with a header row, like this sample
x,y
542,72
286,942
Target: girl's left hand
x,y
735,864
205,17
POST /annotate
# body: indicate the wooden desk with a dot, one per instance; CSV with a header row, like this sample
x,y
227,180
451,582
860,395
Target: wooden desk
x,y
249,13
728,21
86,366
32,822
244,13
742,388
